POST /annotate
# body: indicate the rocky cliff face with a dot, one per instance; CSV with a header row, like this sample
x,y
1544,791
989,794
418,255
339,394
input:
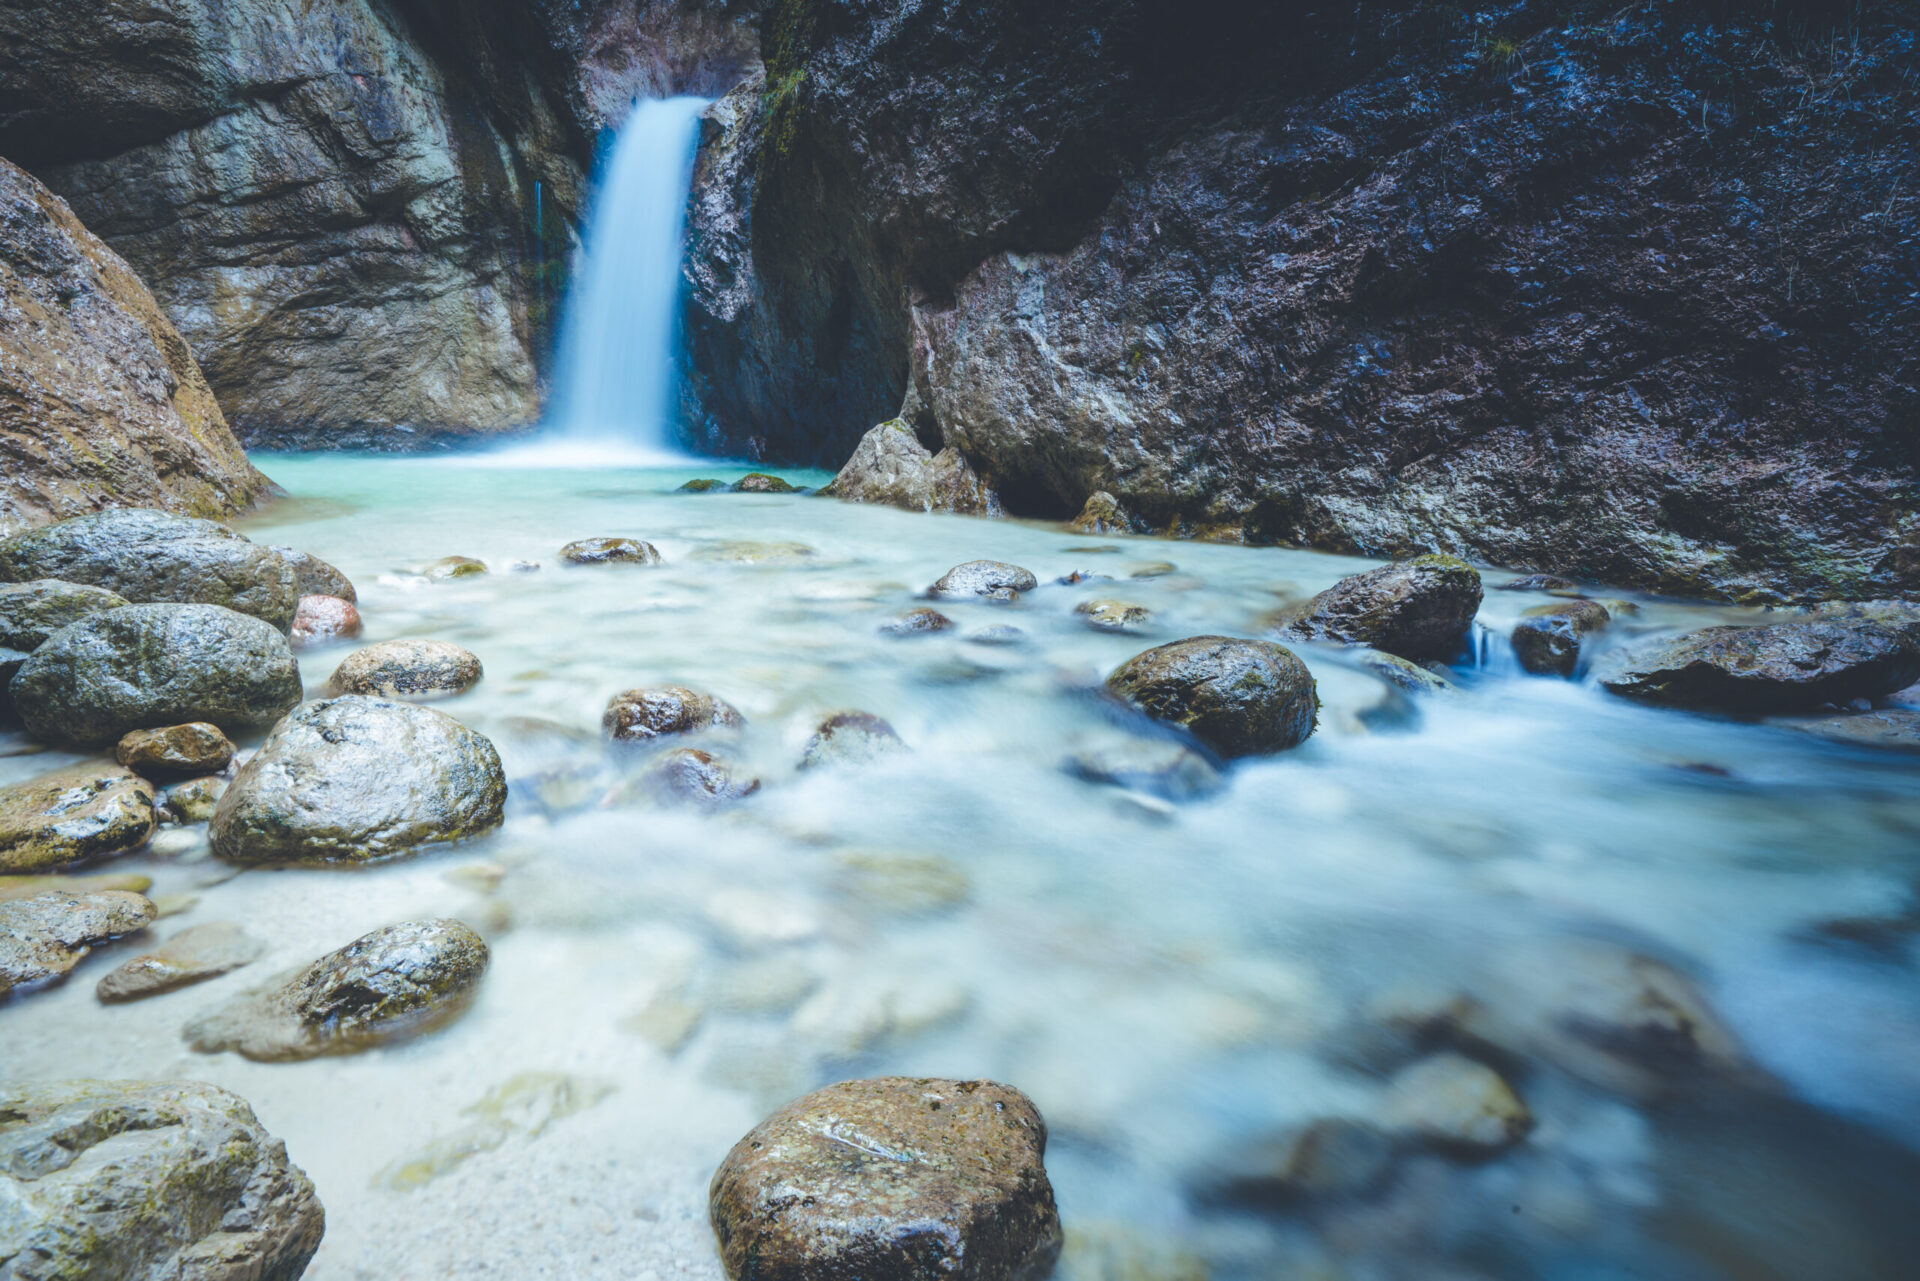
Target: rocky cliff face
x,y
1628,293
100,401
357,211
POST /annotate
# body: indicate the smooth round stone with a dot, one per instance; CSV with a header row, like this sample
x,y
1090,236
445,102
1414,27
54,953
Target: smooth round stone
x,y
418,669
349,779
146,1180
692,776
449,568
703,485
1777,667
73,815
1418,609
1407,677
314,577
195,954
851,738
1112,615
906,1179
986,579
45,936
322,620
1548,638
195,800
1239,697
142,666
760,482
393,983
149,556
660,711
917,622
193,748
610,551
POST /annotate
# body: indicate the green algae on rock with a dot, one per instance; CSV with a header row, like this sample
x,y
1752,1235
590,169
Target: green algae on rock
x,y
73,815
396,982
1239,697
908,1179
1420,608
760,482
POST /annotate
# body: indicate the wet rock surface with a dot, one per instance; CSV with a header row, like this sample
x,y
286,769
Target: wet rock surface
x,y
350,779
897,1177
1101,514
1890,729
659,711
1776,667
691,776
1157,766
194,748
851,738
610,551
44,936
195,800
1113,615
33,610
1416,609
917,622
452,568
1238,697
1548,639
892,467
315,577
73,815
143,666
148,556
396,982
1404,675
759,482
986,579
193,955
148,1179
322,620
415,669
1455,1102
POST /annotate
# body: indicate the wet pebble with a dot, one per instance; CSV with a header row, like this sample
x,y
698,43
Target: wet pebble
x,y
449,568
45,936
1239,697
917,622
82,812
416,669
1113,615
195,954
984,579
195,800
661,711
196,748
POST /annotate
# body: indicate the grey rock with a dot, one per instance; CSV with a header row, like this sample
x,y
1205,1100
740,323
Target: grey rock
x,y
73,815
1159,766
659,711
1549,639
195,800
194,748
350,779
1777,667
999,634
45,936
695,777
314,577
34,610
149,1181
610,551
989,579
917,622
1404,675
759,482
892,467
1101,514
142,666
1888,729
1329,1157
1418,609
195,954
851,738
414,669
396,982
1239,697
1113,615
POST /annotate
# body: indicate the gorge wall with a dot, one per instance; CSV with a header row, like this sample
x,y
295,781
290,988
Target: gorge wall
x,y
1627,292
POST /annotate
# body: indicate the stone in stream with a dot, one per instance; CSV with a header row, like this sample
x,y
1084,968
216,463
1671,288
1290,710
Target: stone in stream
x,y
610,551
1538,583
1548,639
155,556
851,738
1889,729
891,466
1776,667
906,1179
14,887
193,748
1418,609
195,954
984,579
1101,514
1902,616
1239,697
36,609
321,620
195,800
45,936
760,482
418,669
1112,615
1000,634
449,568
690,775
660,711
83,812
1407,677
1157,766
314,577
145,1180
704,485
917,622
1453,1102
395,982
349,779
143,666
1328,1157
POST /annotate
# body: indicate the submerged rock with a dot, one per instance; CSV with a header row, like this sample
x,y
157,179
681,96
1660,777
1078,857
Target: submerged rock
x,y
449,568
314,577
195,954
45,936
891,466
1112,615
321,620
992,579
1548,638
1407,677
155,556
851,738
610,551
149,1180
73,815
142,666
897,1178
1239,697
701,778
901,884
416,669
1778,667
354,778
193,748
1329,1157
660,711
759,482
999,634
1454,1102
1891,729
917,622
13,887
1538,583
1155,765
1101,514
395,982
1418,609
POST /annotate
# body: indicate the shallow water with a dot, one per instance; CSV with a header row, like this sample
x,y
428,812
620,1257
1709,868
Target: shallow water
x,y
1167,981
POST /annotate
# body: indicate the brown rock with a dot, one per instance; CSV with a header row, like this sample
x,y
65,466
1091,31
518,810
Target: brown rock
x,y
448,568
1113,615
193,955
895,1178
699,778
196,748
322,619
47,935
658,711
1101,514
891,466
82,812
1239,697
1889,729
195,800
314,577
610,551
851,738
1548,638
917,622
415,669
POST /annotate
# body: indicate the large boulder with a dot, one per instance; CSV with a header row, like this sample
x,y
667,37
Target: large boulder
x,y
1420,608
44,936
143,666
315,577
349,779
149,555
393,983
34,610
1777,667
73,815
148,1181
891,466
898,1178
1239,697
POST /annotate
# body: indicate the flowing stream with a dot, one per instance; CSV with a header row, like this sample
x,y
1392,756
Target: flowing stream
x,y
1169,980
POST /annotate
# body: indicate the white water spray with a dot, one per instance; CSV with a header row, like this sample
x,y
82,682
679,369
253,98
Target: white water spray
x,y
614,389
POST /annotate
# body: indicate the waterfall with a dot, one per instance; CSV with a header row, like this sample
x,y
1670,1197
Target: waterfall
x,y
614,386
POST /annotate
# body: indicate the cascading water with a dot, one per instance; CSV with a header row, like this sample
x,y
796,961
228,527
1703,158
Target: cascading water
x,y
614,389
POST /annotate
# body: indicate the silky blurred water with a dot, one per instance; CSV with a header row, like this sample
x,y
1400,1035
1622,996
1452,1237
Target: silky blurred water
x,y
1168,981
